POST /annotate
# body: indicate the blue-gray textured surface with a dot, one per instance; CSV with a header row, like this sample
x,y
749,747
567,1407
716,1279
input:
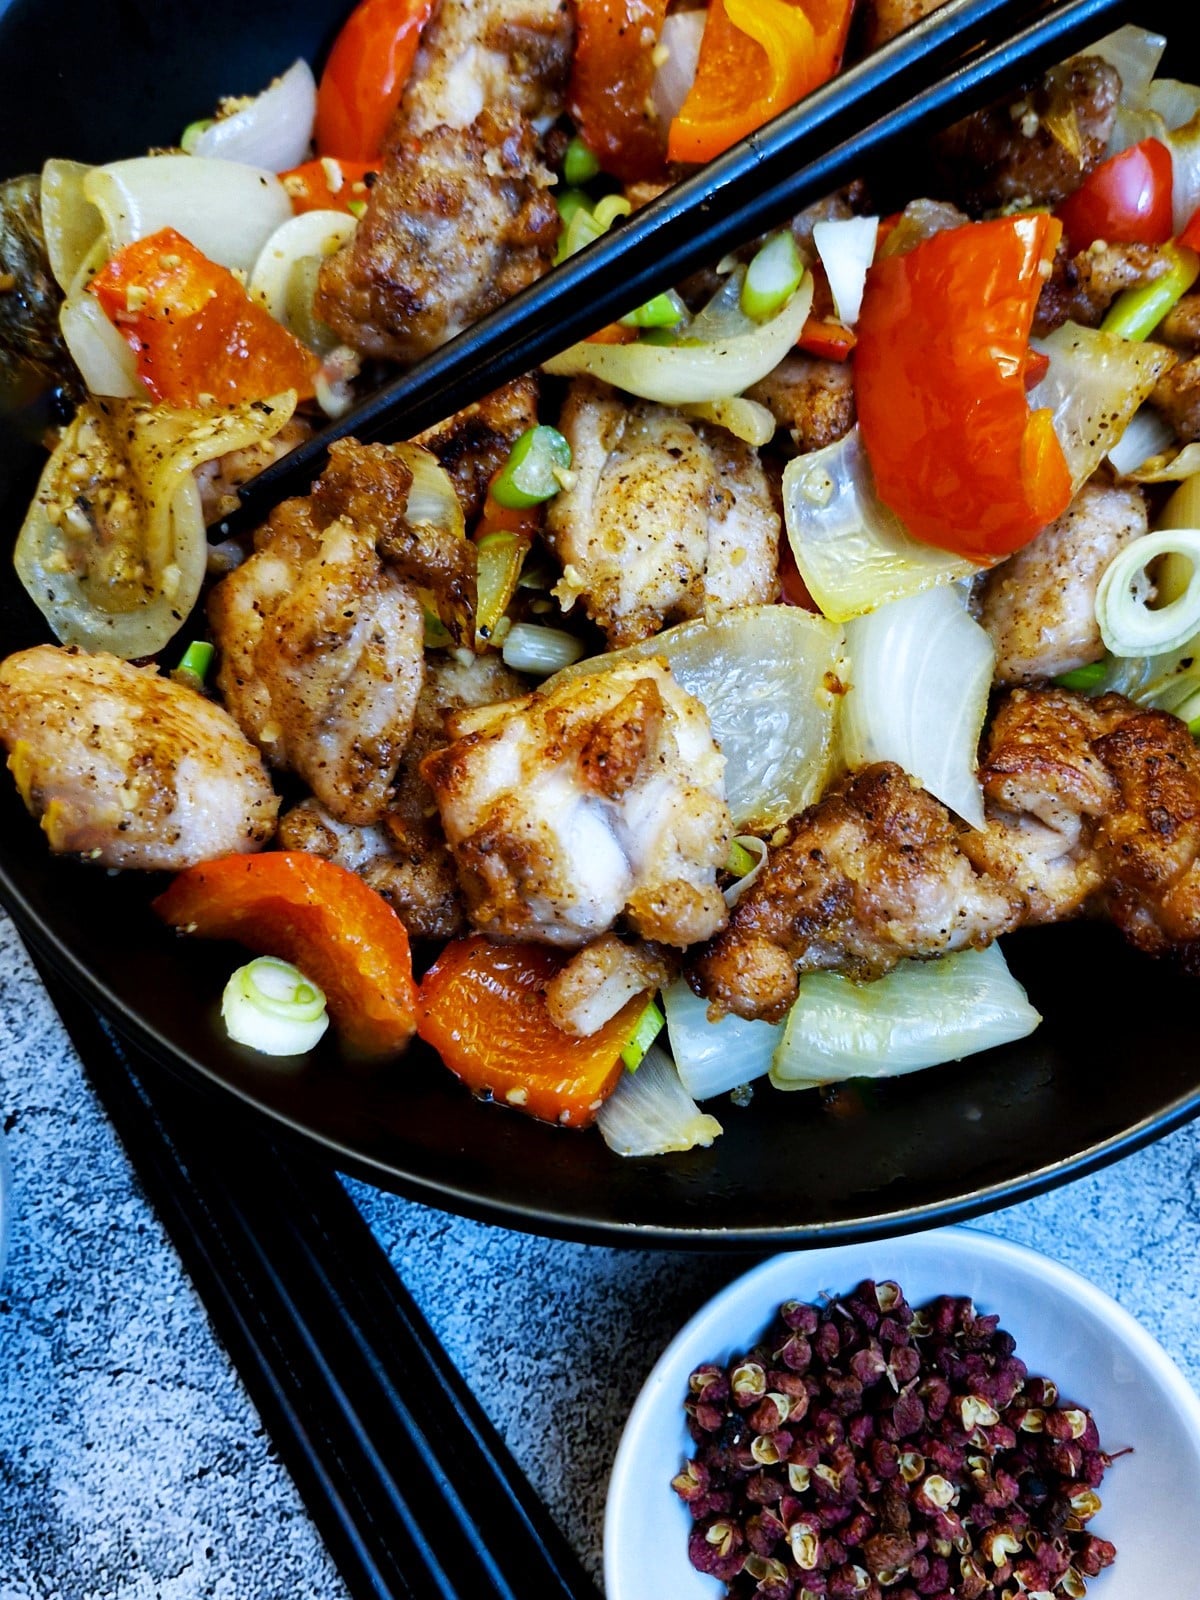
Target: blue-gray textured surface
x,y
132,1466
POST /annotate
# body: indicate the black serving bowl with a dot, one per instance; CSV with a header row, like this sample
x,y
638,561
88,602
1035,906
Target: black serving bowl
x,y
1114,1065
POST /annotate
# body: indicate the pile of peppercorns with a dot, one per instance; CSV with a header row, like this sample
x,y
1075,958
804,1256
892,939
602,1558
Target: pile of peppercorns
x,y
867,1449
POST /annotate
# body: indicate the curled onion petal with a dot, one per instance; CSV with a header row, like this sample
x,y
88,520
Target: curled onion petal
x,y
847,247
753,846
271,1006
122,574
744,419
227,210
70,221
1181,467
767,676
1135,53
852,551
699,368
539,651
920,674
1094,385
106,363
713,1057
281,281
1148,435
650,1113
274,131
919,1014
679,47
1130,627
1184,145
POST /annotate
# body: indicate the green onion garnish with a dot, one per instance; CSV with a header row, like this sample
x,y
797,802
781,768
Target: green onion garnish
x,y
194,664
773,277
272,1007
357,208
528,476
569,201
649,1026
437,635
187,139
664,311
740,860
1136,313
579,164
1083,679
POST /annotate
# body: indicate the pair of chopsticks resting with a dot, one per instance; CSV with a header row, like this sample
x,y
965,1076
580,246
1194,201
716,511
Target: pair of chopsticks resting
x,y
410,1486
898,93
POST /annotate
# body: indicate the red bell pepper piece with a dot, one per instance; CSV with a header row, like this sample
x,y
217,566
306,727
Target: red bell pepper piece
x,y
1126,200
611,79
943,340
757,57
329,184
196,333
483,1010
365,76
341,934
1190,237
833,341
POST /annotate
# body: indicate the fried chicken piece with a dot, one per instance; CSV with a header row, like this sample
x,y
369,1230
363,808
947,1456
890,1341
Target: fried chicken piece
x,y
869,876
1180,328
474,443
404,856
603,977
1045,787
1039,605
126,767
322,657
814,398
461,216
1081,287
1177,396
884,19
598,797
665,518
1007,154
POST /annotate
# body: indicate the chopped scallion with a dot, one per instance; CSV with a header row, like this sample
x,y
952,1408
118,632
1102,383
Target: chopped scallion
x,y
527,477
272,1007
1083,679
540,651
187,139
1136,313
579,163
740,860
773,277
569,201
666,310
194,664
649,1026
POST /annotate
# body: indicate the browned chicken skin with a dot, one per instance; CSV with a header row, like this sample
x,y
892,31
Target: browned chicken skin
x,y
1093,807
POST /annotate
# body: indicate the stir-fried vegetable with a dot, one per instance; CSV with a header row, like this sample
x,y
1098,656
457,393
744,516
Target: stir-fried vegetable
x,y
273,132
1126,198
113,548
943,337
284,277
650,1113
611,83
757,57
197,336
330,184
1129,624
365,76
483,1009
1137,312
713,1057
531,473
272,1007
320,917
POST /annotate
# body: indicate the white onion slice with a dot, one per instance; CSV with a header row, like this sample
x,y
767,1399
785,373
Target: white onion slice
x,y
1181,467
920,673
227,210
852,551
1149,434
1135,53
274,131
713,1057
919,1014
311,235
847,248
105,361
539,651
699,369
650,1113
764,675
1094,385
680,41
70,221
1130,627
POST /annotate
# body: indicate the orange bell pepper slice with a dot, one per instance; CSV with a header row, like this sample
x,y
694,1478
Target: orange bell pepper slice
x,y
328,184
940,365
611,79
197,335
483,1010
757,57
341,934
365,76
832,341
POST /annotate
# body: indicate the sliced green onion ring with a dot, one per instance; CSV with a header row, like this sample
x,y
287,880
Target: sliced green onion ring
x,y
666,310
773,277
189,136
1131,627
1136,313
540,651
649,1026
1084,680
580,163
528,476
747,857
194,663
272,1007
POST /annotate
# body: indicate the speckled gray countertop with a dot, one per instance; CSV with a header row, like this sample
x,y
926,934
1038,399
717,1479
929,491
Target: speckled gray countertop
x,y
132,1465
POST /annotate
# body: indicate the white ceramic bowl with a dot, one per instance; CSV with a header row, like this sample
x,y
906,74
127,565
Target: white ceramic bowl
x,y
1065,1328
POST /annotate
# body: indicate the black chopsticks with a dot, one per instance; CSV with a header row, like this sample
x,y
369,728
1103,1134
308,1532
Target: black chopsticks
x,y
409,1484
899,92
